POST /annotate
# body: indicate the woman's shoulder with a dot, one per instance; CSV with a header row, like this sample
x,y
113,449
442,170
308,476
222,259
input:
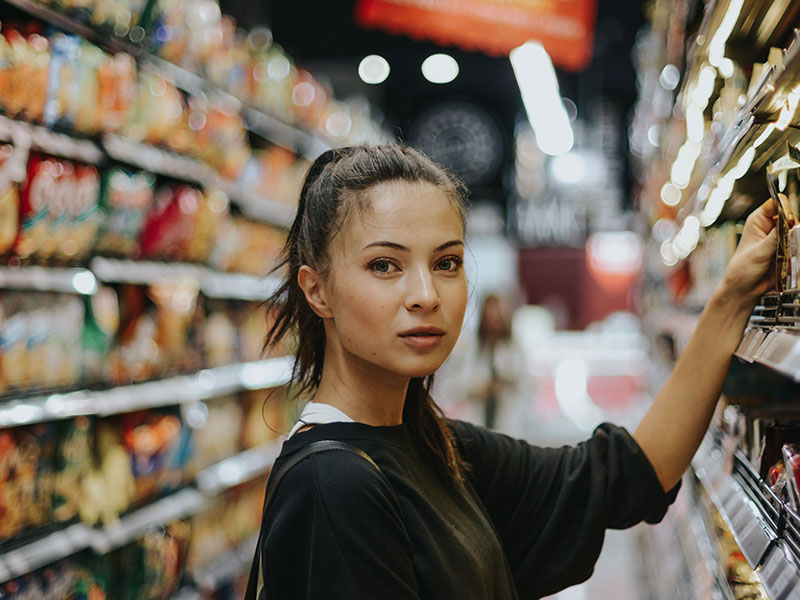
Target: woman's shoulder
x,y
334,475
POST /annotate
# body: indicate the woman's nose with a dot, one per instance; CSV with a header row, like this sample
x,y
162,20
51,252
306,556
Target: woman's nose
x,y
422,293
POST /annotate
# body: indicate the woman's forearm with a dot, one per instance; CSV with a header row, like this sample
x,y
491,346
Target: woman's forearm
x,y
673,427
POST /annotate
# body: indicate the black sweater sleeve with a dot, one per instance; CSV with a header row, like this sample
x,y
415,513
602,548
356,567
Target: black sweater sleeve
x,y
551,506
334,515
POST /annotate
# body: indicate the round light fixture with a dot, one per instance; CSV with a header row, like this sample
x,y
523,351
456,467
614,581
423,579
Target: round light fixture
x,y
440,68
373,69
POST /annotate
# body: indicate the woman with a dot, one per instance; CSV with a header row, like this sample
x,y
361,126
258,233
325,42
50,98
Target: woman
x,y
485,379
376,294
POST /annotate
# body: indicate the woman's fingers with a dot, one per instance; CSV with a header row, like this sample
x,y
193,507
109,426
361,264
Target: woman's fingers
x,y
761,220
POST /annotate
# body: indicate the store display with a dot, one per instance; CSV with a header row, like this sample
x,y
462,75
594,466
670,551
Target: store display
x,y
713,137
157,170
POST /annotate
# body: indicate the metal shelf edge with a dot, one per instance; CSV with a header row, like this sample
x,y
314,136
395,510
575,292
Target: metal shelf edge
x,y
205,384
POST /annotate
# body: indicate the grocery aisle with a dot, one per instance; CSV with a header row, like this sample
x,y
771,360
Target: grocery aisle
x,y
150,161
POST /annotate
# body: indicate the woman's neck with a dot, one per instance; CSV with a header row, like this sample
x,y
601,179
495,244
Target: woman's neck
x,y
362,394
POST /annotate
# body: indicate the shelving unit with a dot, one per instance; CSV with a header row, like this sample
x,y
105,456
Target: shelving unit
x,y
227,321
183,503
261,123
765,528
716,129
208,383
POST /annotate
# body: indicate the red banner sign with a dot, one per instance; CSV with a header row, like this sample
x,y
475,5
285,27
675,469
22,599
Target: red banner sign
x,y
564,27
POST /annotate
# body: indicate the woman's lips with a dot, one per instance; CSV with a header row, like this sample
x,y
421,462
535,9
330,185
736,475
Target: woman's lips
x,y
423,337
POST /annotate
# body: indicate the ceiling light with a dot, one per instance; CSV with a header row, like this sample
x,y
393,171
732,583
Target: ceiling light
x,y
538,86
440,68
373,69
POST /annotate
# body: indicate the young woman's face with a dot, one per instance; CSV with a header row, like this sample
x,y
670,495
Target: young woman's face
x,y
397,289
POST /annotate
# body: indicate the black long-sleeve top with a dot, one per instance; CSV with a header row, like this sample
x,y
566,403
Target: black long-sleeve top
x,y
526,523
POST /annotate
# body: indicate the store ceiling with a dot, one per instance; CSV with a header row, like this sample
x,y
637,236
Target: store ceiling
x,y
324,37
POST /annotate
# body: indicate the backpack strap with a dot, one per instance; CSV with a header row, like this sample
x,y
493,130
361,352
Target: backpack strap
x,y
255,583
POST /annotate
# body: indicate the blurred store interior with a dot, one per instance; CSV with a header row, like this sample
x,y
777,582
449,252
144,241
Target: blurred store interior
x,y
151,153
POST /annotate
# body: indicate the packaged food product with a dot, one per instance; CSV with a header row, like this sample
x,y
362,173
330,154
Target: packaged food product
x,y
14,341
24,73
58,580
109,488
176,305
35,200
152,440
63,85
157,561
59,217
11,517
170,224
99,332
791,460
125,199
88,111
267,415
246,246
136,355
219,339
219,436
34,469
212,211
73,462
9,204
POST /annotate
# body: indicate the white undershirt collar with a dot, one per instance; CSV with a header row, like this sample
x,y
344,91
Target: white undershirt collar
x,y
319,413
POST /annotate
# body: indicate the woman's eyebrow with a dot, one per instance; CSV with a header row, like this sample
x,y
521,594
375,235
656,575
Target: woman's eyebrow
x,y
401,248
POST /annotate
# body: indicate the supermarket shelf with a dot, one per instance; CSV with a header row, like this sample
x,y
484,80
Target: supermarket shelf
x,y
187,168
184,503
156,160
46,279
228,567
132,526
45,551
208,383
225,569
777,348
756,518
34,137
238,469
267,126
78,537
66,23
214,284
283,134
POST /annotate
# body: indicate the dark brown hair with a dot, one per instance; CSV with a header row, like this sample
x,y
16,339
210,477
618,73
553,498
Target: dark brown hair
x,y
336,184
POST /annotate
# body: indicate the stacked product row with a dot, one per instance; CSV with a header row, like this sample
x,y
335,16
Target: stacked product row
x,y
121,334
65,211
98,469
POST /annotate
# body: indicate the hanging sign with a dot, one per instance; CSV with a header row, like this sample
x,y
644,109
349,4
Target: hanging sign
x,y
564,27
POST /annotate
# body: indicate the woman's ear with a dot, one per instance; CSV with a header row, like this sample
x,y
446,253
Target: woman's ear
x,y
314,289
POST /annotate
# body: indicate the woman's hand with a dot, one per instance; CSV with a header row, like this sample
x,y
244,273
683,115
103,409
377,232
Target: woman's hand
x,y
750,272
674,425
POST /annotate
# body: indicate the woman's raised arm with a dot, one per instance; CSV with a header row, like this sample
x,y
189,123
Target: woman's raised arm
x,y
675,424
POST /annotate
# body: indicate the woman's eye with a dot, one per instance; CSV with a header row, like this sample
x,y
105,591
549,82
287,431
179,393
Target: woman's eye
x,y
449,264
381,266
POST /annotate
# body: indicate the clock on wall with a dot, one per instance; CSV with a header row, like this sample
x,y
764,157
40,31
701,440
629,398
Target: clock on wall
x,y
460,136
